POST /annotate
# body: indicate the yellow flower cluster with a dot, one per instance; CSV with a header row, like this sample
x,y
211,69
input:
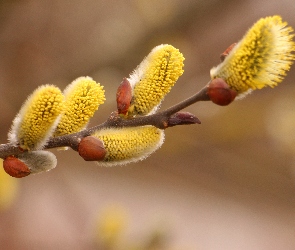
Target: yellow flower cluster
x,y
48,111
110,225
153,79
82,98
125,145
260,59
37,118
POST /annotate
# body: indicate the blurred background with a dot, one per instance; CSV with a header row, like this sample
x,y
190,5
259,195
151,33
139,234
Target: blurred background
x,y
228,183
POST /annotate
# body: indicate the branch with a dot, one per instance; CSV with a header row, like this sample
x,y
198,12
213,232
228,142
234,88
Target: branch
x,y
137,97
162,120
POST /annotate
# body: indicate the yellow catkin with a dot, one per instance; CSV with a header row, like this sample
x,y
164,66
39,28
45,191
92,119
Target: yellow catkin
x,y
261,58
8,189
125,145
111,223
154,78
37,118
82,98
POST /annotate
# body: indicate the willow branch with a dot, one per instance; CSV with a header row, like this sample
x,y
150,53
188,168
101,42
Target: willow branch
x,y
159,120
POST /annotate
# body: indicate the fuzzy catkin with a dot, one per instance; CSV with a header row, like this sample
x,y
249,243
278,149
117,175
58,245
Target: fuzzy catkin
x,y
82,98
37,119
153,79
260,59
125,145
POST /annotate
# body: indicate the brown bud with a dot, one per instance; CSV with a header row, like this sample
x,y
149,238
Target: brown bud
x,y
226,52
91,149
220,93
15,167
182,118
124,96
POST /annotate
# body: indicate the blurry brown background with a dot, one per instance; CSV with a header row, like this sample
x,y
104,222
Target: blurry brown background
x,y
228,183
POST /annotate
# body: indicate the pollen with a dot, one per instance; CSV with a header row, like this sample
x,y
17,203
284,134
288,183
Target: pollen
x,y
261,58
154,78
125,145
82,98
37,118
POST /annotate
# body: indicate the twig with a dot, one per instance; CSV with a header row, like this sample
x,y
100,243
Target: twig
x,y
159,120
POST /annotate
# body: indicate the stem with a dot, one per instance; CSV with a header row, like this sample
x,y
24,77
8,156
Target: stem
x,y
159,120
200,96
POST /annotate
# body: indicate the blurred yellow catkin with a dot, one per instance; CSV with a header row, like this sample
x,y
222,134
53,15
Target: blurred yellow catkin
x,y
111,223
8,189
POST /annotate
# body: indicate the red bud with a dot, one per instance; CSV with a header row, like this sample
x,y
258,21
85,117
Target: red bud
x,y
15,167
220,93
124,96
91,149
226,52
182,118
